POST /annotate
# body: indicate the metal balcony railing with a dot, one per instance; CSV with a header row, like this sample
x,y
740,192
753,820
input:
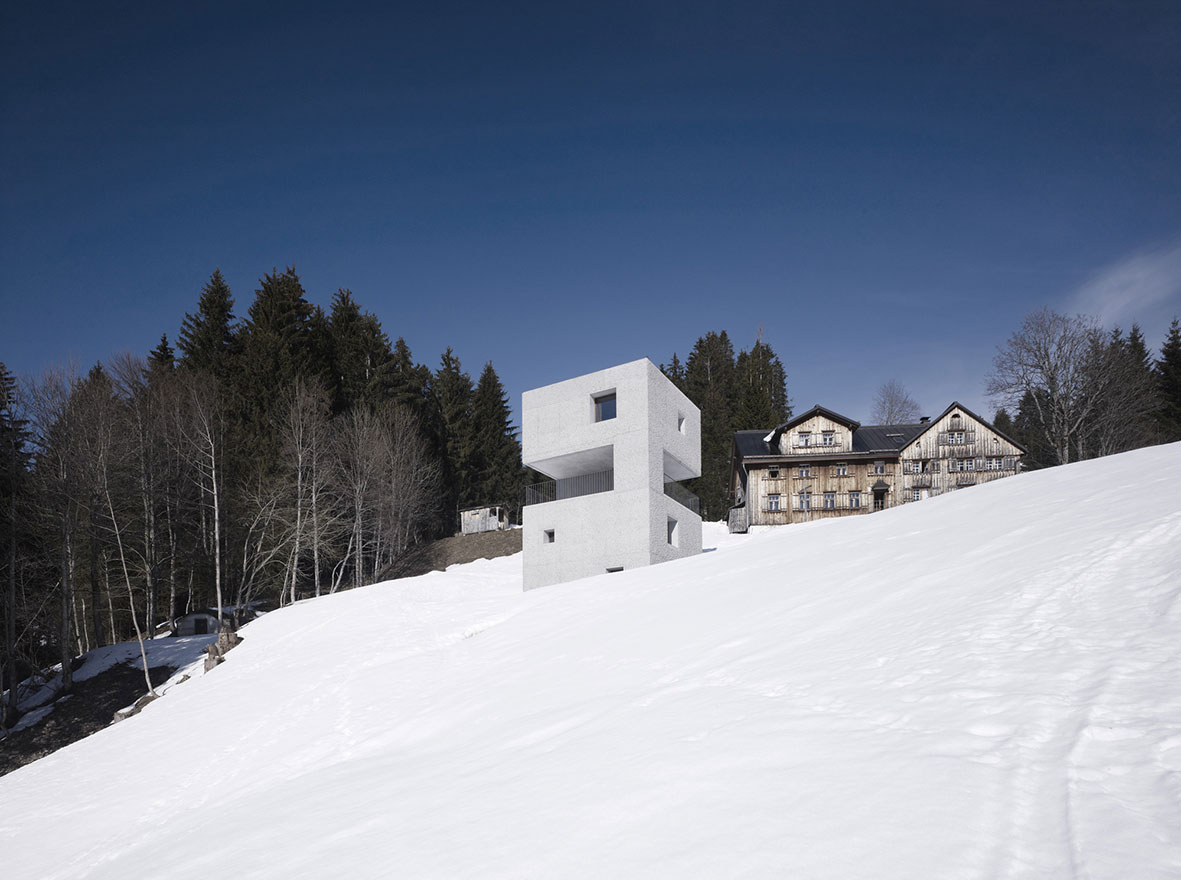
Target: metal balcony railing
x,y
568,487
683,496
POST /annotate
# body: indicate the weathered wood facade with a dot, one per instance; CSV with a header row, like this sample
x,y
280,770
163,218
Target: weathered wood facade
x,y
822,464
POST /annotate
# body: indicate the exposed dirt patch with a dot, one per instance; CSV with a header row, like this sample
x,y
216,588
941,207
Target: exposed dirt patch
x,y
437,555
90,708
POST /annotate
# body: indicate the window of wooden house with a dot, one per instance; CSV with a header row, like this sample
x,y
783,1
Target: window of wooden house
x,y
955,437
879,467
773,473
830,500
916,495
854,500
804,470
828,438
805,502
805,438
840,469
773,503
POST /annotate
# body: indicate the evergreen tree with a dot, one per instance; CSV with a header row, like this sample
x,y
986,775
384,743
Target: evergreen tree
x,y
205,337
1003,422
1168,384
14,463
453,390
675,372
272,348
162,357
711,383
496,454
1027,431
762,389
359,351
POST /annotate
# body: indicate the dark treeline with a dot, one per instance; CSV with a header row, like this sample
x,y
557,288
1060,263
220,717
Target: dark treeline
x,y
734,394
285,453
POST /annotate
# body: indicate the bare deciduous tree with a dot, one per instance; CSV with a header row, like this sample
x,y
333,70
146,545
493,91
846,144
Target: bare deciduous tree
x,y
201,433
305,452
893,406
1051,358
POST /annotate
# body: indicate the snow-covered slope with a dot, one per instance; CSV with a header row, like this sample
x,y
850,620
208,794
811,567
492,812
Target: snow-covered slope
x,y
982,685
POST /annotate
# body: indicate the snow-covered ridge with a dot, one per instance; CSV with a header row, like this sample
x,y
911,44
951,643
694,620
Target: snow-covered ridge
x,y
986,684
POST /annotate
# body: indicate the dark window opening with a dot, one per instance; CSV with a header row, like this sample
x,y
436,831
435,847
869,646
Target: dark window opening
x,y
605,407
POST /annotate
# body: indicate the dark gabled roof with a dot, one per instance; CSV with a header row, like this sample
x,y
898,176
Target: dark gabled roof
x,y
818,410
752,443
885,438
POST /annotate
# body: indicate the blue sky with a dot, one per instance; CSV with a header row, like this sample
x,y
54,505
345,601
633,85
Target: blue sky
x,y
884,189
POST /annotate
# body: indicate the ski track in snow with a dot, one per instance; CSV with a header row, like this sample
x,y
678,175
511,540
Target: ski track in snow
x,y
983,685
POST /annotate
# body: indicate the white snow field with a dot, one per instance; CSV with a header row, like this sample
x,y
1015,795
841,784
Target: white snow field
x,y
983,685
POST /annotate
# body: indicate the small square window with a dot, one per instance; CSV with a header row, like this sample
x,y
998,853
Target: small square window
x,y
674,535
547,536
841,469
605,407
773,473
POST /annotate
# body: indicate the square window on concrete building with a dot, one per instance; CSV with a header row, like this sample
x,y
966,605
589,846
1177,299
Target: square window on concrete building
x,y
547,536
674,537
605,407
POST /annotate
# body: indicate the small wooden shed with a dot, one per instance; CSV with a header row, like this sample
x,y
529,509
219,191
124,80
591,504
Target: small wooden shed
x,y
483,519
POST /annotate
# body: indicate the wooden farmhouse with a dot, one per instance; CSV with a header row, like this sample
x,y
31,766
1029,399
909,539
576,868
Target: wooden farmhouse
x,y
823,464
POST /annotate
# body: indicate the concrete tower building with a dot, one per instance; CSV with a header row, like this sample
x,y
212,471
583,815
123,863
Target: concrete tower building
x,y
614,444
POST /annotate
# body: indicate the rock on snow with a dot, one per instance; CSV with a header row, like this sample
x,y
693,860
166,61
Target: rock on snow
x,y
986,684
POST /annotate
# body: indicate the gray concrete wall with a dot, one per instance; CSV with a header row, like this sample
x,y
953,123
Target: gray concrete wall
x,y
656,432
